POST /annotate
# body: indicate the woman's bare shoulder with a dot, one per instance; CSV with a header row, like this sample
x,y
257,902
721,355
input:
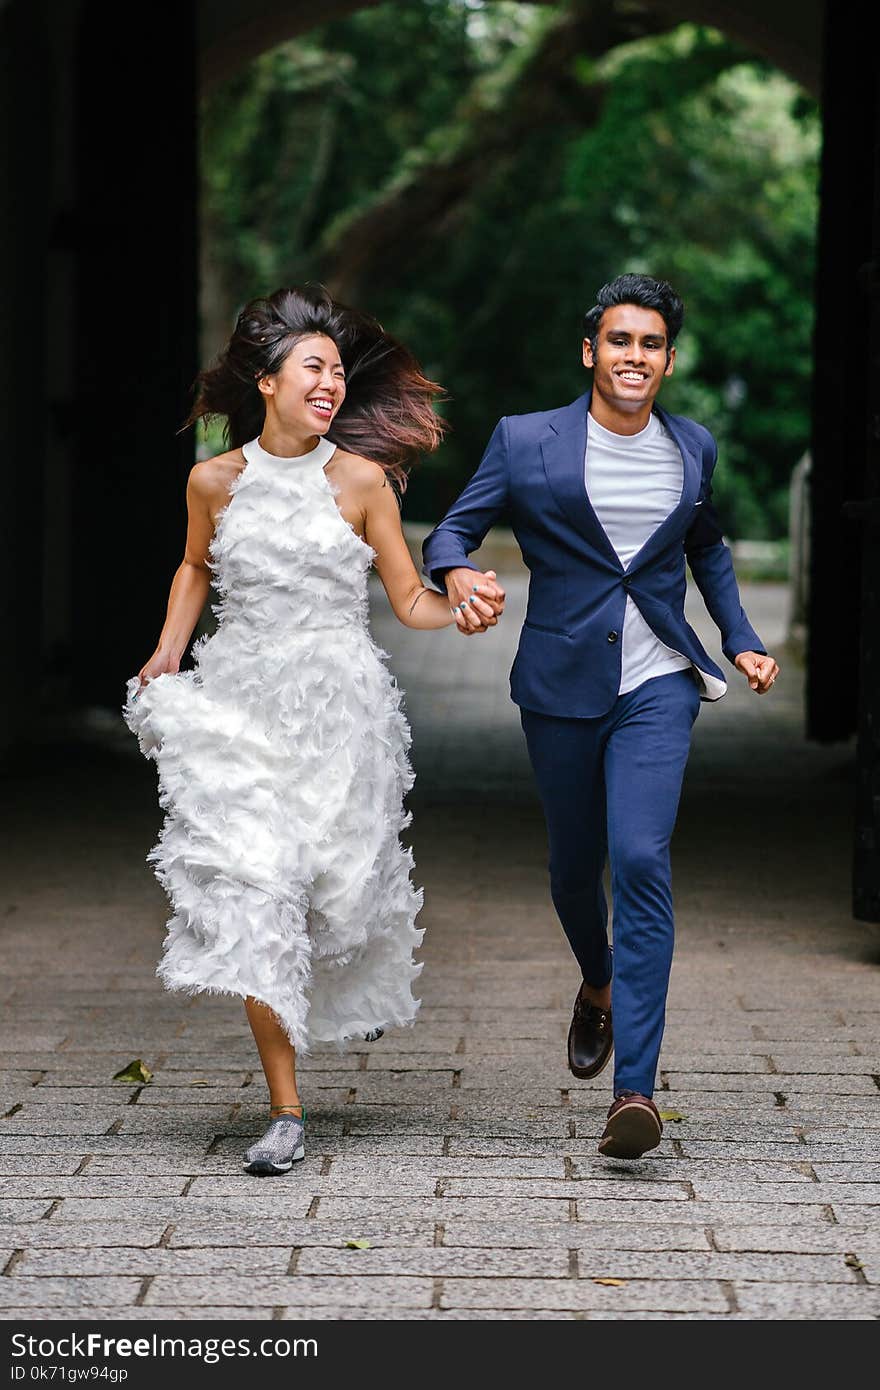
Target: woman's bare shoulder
x,y
212,477
359,472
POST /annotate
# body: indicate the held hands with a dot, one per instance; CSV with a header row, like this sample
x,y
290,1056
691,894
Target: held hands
x,y
760,671
476,600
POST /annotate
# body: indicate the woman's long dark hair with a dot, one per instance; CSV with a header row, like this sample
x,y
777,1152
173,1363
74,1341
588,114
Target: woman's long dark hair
x,y
388,413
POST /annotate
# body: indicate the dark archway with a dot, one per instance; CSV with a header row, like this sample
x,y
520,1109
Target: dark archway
x,y
99,341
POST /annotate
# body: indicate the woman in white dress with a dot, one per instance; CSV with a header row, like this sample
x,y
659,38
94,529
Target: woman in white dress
x,y
282,756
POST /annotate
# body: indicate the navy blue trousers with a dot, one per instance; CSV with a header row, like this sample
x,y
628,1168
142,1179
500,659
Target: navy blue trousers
x,y
610,787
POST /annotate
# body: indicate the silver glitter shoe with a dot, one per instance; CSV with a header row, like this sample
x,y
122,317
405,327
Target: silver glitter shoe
x,y
276,1151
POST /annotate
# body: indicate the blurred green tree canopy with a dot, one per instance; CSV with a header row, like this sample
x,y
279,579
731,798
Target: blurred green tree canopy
x,y
472,172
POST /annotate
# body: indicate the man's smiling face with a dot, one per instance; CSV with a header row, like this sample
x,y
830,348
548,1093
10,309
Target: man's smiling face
x,y
632,357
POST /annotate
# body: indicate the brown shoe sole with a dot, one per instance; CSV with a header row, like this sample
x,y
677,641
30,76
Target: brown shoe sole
x,y
631,1132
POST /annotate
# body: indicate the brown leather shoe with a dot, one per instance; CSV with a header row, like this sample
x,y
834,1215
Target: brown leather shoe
x,y
590,1039
633,1127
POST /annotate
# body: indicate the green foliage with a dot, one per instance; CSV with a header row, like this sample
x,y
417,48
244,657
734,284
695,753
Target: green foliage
x,y
701,167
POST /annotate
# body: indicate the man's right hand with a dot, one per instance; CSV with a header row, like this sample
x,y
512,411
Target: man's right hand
x,y
476,599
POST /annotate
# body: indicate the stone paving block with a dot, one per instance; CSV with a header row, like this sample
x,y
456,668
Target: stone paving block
x,y
103,1145
344,1292
192,1164
800,1084
855,1172
807,1300
290,1202
724,1064
18,1165
576,1294
589,1234
109,1097
780,1149
768,1267
18,1210
333,1313
437,1261
190,1233
438,1122
849,1132
442,1209
22,1040
824,1238
15,1084
142,1261
704,1213
705,1189
210,1099
38,1120
403,1088
368,1169
309,1178
630,1189
164,1077
101,1313
684,1170
855,1214
514,1100
401,1063
493,1147
63,1235
816,1108
24,1293
682,1052
535,1082
821,1068
87,1185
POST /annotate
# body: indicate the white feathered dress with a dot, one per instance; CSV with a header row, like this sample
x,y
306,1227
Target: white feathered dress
x,y
282,762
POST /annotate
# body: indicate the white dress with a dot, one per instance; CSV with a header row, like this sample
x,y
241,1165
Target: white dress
x,y
282,762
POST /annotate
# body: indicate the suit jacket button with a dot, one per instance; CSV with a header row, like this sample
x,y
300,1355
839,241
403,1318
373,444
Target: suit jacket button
x,y
626,581
612,636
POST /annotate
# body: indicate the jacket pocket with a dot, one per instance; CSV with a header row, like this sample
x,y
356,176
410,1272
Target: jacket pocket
x,y
540,627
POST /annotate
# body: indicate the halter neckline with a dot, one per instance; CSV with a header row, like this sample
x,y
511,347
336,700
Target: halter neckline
x,y
322,453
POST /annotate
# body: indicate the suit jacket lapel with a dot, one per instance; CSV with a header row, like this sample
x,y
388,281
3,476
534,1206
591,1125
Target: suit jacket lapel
x,y
563,449
692,472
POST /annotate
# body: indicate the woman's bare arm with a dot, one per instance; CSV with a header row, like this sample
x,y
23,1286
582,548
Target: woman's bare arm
x,y
206,492
413,604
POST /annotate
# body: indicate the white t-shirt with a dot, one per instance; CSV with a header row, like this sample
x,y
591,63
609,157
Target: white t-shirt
x,y
633,482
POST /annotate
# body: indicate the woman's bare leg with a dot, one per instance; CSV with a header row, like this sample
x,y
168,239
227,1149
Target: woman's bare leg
x,y
277,1056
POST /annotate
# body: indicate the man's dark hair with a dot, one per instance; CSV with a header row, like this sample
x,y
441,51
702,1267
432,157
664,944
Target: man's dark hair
x,y
644,291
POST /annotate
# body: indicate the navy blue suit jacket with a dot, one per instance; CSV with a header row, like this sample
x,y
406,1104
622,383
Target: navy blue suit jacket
x,y
568,662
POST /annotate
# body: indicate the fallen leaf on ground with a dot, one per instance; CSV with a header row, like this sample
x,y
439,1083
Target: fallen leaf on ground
x,y
357,1245
852,1260
611,1283
674,1115
136,1071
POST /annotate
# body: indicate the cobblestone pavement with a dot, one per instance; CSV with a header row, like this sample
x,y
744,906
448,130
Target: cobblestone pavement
x,y
461,1150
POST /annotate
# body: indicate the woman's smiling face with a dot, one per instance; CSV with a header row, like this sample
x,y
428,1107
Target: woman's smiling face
x,y
309,387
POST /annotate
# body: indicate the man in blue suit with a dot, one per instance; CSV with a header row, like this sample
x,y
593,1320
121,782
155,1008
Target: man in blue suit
x,y
608,497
